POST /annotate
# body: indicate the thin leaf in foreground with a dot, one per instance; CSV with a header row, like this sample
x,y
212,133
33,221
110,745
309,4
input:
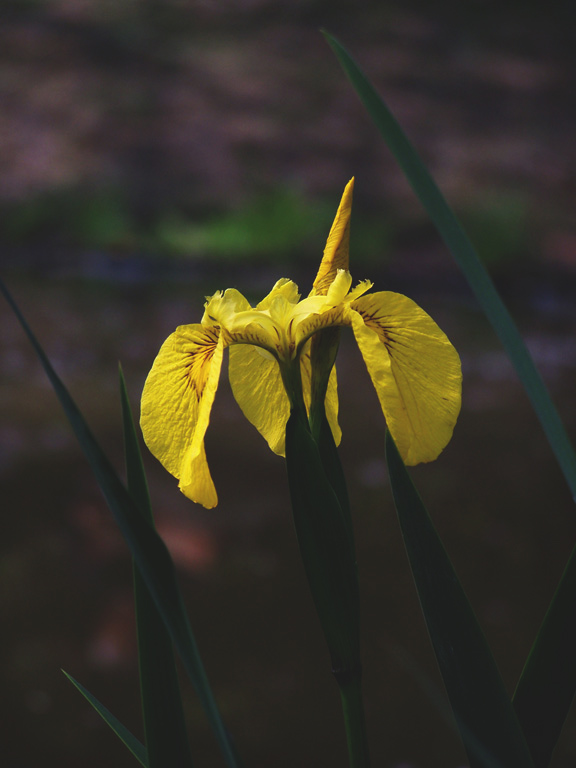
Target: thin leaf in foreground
x,y
164,723
463,251
487,722
130,741
148,550
546,688
548,683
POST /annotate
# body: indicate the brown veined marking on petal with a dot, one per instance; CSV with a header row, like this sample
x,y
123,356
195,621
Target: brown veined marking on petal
x,y
199,358
377,323
246,337
291,342
336,316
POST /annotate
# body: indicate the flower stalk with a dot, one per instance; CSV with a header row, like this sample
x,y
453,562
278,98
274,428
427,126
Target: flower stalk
x,y
326,544
355,723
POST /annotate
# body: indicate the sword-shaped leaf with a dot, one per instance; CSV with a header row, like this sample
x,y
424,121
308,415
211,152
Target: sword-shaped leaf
x,y
485,717
164,723
137,748
546,687
548,683
148,550
463,251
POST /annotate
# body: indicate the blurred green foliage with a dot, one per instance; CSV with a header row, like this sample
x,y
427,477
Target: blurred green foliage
x,y
69,216
272,223
280,224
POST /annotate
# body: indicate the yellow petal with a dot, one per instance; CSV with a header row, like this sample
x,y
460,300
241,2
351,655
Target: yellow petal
x,y
253,327
362,287
336,253
195,481
339,287
313,322
176,403
259,391
222,307
283,287
415,370
257,386
331,400
332,406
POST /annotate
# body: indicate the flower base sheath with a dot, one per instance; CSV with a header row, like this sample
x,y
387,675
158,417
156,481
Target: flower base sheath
x,y
413,366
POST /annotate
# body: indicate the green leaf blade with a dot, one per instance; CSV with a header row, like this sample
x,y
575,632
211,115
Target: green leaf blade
x,y
148,550
164,722
324,537
546,689
325,546
130,741
463,252
547,686
488,725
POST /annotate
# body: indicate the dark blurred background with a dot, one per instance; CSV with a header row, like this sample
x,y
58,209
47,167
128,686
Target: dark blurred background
x,y
153,152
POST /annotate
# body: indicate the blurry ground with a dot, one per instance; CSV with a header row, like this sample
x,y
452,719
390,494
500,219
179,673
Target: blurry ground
x,y
153,153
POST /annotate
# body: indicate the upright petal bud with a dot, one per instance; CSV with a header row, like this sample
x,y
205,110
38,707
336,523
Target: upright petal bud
x,y
325,343
336,252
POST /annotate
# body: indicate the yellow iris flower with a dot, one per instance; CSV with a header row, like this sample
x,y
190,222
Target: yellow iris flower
x,y
413,366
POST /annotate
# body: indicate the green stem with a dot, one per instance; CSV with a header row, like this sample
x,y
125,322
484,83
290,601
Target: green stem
x,y
355,723
325,536
292,379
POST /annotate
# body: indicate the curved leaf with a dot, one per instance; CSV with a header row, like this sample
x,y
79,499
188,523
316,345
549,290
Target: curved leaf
x,y
136,747
148,550
164,722
482,709
457,241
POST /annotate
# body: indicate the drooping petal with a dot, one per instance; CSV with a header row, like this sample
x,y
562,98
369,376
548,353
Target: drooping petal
x,y
196,481
336,253
176,404
258,389
415,370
